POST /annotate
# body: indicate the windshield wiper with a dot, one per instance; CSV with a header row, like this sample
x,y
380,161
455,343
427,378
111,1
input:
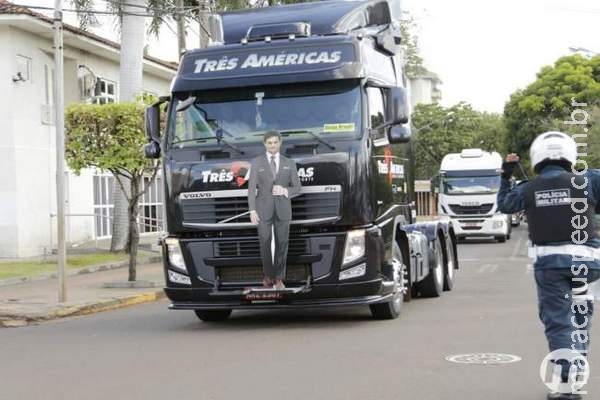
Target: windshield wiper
x,y
203,140
295,132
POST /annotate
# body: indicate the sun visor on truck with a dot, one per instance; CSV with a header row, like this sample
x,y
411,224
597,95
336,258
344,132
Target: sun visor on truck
x,y
217,68
470,173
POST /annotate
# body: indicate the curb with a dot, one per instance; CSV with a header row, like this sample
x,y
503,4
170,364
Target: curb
x,y
13,320
79,271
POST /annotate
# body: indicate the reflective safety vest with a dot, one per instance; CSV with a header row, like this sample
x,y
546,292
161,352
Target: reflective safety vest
x,y
559,209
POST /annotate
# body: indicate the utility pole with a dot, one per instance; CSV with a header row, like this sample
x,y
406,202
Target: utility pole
x,y
180,27
204,28
59,124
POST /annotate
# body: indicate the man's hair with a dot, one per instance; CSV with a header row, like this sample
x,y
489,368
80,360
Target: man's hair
x,y
271,134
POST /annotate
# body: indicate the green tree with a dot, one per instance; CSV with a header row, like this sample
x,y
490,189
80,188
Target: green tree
x,y
413,62
438,131
110,137
130,19
548,102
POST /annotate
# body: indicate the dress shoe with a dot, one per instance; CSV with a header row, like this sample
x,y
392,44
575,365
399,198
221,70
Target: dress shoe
x,y
564,396
279,285
267,283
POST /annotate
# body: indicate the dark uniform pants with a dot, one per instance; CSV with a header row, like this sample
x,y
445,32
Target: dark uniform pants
x,y
555,302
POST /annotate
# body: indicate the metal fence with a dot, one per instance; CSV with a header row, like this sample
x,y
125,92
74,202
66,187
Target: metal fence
x,y
426,201
146,225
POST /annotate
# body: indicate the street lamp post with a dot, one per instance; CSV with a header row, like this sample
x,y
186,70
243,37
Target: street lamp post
x,y
583,51
443,119
59,123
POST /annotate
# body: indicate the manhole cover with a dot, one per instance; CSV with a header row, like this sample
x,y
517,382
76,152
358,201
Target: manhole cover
x,y
483,358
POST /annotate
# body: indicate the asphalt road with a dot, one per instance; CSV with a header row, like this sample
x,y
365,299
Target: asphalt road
x,y
148,352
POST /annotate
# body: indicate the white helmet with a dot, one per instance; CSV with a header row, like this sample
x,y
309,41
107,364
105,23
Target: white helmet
x,y
553,145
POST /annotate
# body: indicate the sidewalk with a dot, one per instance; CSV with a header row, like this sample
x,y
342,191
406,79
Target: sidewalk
x,y
36,301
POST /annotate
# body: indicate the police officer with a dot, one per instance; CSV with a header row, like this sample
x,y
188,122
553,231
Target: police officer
x,y
560,206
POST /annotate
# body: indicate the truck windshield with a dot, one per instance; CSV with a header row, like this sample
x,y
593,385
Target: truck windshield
x,y
471,184
242,116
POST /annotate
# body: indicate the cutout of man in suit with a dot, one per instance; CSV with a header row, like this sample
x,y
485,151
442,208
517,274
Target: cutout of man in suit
x,y
273,182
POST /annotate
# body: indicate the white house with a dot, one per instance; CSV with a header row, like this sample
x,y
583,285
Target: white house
x,y
425,89
27,146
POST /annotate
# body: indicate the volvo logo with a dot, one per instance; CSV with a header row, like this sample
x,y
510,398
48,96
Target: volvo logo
x,y
196,195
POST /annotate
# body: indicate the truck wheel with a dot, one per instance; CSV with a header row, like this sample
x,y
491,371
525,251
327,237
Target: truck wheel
x,y
391,309
433,285
213,315
449,267
501,239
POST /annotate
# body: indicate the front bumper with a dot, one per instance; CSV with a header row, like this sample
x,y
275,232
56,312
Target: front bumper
x,y
319,295
496,225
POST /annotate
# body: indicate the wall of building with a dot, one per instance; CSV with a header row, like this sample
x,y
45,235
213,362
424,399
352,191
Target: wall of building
x,y
424,90
28,146
33,144
420,91
8,183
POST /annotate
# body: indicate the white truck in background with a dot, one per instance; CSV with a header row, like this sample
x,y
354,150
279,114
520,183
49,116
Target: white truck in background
x,y
468,184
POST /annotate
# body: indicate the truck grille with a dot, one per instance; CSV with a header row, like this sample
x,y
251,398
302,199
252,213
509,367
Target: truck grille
x,y
254,273
251,248
471,210
304,206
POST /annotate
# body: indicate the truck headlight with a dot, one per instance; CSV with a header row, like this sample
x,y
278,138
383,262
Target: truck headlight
x,y
179,278
355,246
175,254
353,272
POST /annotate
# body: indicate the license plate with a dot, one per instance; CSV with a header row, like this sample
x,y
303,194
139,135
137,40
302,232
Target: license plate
x,y
264,296
471,224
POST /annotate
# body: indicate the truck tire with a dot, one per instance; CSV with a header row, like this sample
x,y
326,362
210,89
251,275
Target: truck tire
x,y
433,284
501,239
391,308
213,315
449,266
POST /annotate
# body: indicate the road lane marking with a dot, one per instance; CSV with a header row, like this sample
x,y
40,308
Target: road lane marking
x,y
517,248
487,268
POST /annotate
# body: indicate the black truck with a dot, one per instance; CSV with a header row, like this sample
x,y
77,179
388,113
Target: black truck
x,y
328,76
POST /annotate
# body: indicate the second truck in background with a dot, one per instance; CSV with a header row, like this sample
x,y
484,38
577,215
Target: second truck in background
x,y
468,184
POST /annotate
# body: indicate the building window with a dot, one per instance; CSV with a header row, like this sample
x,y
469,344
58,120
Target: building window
x,y
105,92
150,216
103,204
24,67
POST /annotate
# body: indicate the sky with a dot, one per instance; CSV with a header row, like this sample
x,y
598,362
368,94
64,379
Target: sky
x,y
482,50
485,50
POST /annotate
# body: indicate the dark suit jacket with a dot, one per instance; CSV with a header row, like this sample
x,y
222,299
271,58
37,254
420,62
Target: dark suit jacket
x,y
260,187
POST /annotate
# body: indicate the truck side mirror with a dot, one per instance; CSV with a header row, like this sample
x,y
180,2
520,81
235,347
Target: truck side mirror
x,y
399,134
152,128
152,149
435,184
152,119
397,106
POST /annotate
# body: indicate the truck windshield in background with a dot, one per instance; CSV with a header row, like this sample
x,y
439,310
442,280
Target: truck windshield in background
x,y
470,185
241,116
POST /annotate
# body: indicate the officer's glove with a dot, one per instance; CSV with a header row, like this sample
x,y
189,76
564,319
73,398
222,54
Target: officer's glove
x,y
508,169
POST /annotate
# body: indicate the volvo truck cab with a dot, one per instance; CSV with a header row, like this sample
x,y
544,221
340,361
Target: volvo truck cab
x,y
328,76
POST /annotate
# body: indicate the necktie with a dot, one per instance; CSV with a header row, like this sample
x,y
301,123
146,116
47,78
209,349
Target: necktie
x,y
273,166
